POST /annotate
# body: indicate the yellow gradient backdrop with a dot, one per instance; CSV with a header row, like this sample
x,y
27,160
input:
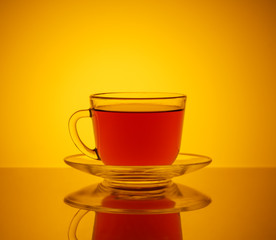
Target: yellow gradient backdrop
x,y
55,53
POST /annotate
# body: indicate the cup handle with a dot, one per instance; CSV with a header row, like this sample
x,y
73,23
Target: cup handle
x,y
75,136
72,232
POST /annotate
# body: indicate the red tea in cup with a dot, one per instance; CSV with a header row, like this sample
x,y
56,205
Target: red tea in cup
x,y
126,135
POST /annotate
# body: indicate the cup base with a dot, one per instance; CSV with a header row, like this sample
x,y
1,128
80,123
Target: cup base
x,y
142,184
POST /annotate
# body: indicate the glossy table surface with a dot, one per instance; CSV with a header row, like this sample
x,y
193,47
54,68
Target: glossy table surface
x,y
242,207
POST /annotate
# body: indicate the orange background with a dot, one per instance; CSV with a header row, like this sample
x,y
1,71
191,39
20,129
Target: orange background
x,y
54,54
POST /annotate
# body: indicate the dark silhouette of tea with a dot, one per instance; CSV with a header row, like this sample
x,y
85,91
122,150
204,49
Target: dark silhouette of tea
x,y
137,134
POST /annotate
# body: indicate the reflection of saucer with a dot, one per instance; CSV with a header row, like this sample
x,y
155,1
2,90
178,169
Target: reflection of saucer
x,y
171,199
142,175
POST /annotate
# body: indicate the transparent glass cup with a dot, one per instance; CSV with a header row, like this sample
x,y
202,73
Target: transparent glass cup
x,y
133,129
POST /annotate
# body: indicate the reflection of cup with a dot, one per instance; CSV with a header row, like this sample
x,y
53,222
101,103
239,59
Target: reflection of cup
x,y
109,226
133,128
134,214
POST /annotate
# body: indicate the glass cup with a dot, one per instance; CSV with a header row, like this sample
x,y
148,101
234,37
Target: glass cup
x,y
133,129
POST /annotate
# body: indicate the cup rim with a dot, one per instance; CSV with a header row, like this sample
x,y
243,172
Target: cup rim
x,y
137,95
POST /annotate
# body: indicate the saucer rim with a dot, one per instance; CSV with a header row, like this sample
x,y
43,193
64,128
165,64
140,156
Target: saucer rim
x,y
178,162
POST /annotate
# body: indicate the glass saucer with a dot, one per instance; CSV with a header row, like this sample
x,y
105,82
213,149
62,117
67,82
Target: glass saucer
x,y
172,199
138,176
